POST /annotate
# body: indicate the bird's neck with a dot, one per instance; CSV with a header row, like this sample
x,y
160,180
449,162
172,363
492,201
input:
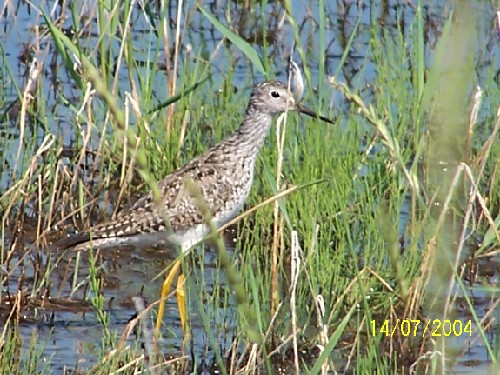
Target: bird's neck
x,y
253,131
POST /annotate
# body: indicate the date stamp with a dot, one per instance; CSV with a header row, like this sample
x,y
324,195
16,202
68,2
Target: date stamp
x,y
417,327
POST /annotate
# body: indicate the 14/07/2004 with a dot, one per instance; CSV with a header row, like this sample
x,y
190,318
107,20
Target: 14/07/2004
x,y
414,327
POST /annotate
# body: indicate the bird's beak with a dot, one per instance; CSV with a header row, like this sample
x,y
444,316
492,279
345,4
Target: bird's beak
x,y
309,112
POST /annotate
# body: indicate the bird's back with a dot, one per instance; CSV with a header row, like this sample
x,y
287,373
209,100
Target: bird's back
x,y
224,180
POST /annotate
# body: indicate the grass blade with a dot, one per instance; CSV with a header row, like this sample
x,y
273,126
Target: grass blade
x,y
238,41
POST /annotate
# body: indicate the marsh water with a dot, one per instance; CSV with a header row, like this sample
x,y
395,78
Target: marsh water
x,y
67,333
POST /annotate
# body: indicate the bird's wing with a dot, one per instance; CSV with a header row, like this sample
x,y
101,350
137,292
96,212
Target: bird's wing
x,y
176,209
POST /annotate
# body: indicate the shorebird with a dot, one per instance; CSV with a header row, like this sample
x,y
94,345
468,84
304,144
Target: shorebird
x,y
223,175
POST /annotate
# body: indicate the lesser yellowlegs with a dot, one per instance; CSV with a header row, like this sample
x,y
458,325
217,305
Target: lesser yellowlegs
x,y
223,175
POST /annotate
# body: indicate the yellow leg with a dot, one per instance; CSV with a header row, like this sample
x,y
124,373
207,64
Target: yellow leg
x,y
181,301
164,291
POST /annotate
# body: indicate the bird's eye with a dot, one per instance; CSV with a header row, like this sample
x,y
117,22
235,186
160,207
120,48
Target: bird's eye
x,y
275,94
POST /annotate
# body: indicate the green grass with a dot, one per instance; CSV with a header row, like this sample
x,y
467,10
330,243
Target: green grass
x,y
362,200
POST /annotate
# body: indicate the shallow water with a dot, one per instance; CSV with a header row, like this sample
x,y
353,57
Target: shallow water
x,y
67,328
